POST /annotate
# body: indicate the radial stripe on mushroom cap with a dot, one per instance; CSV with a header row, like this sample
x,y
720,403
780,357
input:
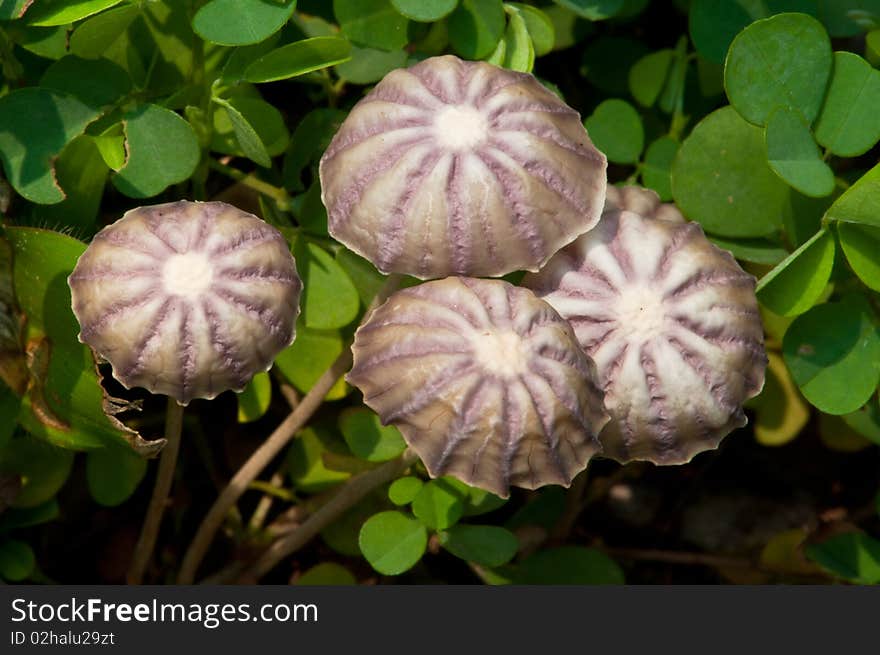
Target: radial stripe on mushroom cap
x,y
485,381
673,326
187,299
457,167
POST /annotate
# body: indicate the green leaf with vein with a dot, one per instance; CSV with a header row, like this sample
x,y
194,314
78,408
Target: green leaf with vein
x,y
486,545
799,280
592,9
794,156
253,401
62,12
439,504
113,475
540,27
248,140
476,27
657,167
299,58
371,23
37,124
162,150
269,133
520,52
782,61
721,178
66,403
849,124
241,22
392,542
853,556
303,362
833,354
648,76
367,437
93,37
330,299
616,129
861,245
860,203
43,467
425,11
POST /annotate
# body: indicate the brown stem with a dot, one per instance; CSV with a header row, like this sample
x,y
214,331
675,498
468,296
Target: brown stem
x,y
347,497
573,507
143,551
269,449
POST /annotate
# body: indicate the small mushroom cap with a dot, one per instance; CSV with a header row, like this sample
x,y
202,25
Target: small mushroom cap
x,y
673,326
187,299
485,381
458,167
644,202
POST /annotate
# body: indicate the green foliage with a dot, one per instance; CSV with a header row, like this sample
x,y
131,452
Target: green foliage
x,y
748,121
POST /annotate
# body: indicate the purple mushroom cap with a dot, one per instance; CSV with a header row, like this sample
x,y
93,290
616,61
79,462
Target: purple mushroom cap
x,y
485,382
187,299
459,167
672,323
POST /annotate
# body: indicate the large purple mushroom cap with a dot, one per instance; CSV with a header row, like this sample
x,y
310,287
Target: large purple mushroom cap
x,y
187,299
459,167
672,323
485,382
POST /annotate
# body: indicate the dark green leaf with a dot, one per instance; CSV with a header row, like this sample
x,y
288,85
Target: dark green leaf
x,y
67,11
426,11
66,403
367,437
713,24
326,573
648,76
257,122
240,22
249,141
657,166
342,534
94,82
37,124
438,504
392,542
840,17
12,9
329,300
861,245
48,42
368,65
569,565
849,124
616,129
371,23
44,468
759,251
310,355
540,27
299,58
853,556
367,280
721,178
608,60
254,401
476,27
25,517
865,421
404,490
833,354
95,36
799,280
305,460
781,61
162,150
592,9
861,202
113,475
82,173
485,545
16,560
309,140
794,156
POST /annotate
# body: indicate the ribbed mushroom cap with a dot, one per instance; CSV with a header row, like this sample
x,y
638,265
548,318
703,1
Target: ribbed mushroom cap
x,y
644,202
673,326
485,381
187,299
459,167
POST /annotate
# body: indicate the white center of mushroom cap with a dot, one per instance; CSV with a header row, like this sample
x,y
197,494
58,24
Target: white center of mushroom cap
x,y
640,312
187,274
460,127
500,353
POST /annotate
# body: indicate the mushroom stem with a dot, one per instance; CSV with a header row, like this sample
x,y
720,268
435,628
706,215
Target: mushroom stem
x,y
143,551
347,496
270,448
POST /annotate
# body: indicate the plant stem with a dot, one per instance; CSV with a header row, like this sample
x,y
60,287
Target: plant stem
x,y
143,551
573,506
279,195
269,449
347,497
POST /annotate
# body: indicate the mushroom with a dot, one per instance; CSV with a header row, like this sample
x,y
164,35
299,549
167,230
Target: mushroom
x,y
186,299
485,382
458,167
672,323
